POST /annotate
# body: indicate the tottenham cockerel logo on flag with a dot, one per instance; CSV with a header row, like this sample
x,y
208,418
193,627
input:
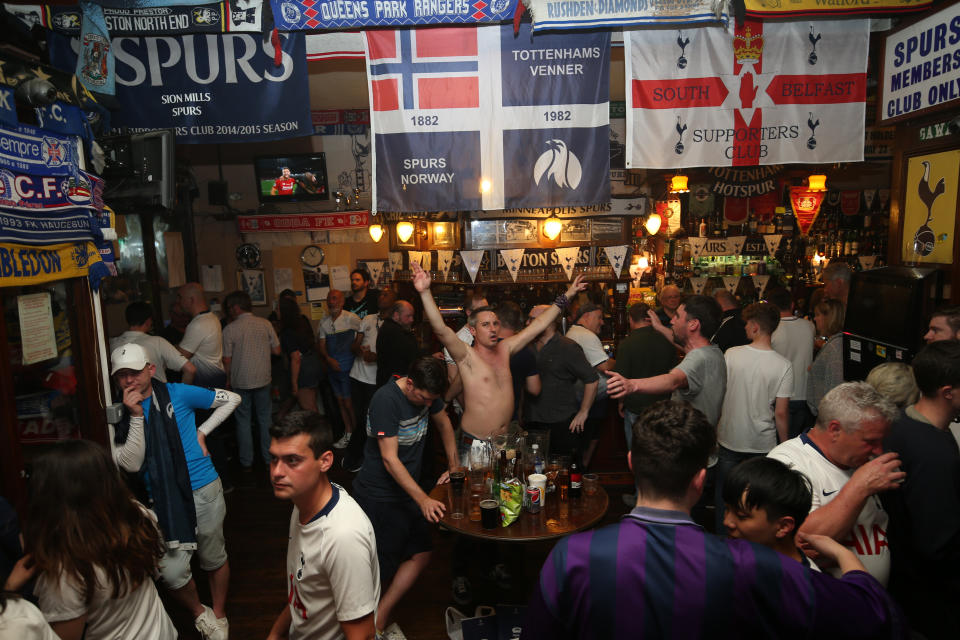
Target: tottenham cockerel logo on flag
x,y
758,93
468,118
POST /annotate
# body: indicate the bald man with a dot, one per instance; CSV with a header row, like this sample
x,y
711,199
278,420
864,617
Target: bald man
x,y
485,367
397,346
670,299
202,341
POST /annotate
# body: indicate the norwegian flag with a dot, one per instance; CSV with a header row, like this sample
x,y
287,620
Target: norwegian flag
x,y
471,118
439,71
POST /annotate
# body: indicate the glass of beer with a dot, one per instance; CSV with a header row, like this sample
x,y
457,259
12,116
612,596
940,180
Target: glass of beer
x,y
489,513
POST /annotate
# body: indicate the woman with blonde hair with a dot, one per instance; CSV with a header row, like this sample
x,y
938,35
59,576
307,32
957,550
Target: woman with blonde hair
x,y
826,372
895,382
95,549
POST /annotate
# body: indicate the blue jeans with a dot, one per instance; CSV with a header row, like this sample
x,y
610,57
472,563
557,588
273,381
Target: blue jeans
x,y
253,400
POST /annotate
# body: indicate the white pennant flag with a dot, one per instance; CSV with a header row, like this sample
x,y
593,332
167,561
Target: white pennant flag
x,y
513,258
868,197
568,259
698,284
737,242
396,262
696,246
616,256
731,282
773,242
376,268
471,260
420,257
444,260
760,283
867,262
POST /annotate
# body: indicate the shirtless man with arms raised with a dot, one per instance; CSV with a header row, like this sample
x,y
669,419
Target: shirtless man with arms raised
x,y
485,367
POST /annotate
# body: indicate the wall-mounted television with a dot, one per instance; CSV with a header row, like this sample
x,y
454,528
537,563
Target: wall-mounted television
x,y
292,178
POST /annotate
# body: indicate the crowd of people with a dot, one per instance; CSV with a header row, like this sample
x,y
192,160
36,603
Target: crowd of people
x,y
771,498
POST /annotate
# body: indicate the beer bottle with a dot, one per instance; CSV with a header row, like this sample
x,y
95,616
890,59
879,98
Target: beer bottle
x,y
576,476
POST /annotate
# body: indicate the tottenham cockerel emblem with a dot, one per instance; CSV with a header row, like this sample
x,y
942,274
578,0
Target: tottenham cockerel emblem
x,y
558,165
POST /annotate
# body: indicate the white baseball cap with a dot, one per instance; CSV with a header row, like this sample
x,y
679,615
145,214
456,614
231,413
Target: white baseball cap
x,y
128,356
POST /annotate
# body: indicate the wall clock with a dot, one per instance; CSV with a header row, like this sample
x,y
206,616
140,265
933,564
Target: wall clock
x,y
248,255
312,256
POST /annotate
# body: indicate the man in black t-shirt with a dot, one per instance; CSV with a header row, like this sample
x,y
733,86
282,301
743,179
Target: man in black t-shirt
x,y
363,300
397,347
924,529
386,486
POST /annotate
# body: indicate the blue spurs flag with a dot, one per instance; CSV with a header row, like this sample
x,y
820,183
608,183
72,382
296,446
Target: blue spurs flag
x,y
468,118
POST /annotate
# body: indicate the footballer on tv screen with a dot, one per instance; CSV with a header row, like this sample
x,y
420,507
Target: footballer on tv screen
x,y
292,178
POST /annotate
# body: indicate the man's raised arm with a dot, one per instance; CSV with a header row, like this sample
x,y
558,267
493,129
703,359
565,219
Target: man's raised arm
x,y
421,282
522,338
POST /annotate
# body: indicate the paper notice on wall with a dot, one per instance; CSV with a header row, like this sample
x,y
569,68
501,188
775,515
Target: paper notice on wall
x,y
340,277
282,279
472,260
568,259
211,277
38,340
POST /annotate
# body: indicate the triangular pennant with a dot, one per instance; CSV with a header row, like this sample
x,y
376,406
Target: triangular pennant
x,y
568,259
396,262
731,283
698,284
616,256
376,268
760,283
735,210
513,258
884,195
737,243
772,241
850,202
867,262
701,200
806,207
833,198
868,197
444,260
472,260
696,246
420,257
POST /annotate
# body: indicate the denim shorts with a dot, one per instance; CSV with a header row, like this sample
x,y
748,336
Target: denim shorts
x,y
211,549
340,381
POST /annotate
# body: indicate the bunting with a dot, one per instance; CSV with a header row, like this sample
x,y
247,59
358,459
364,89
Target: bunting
x,y
568,259
472,260
513,258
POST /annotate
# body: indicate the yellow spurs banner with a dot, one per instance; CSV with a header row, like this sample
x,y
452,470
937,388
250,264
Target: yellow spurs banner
x,y
24,265
782,8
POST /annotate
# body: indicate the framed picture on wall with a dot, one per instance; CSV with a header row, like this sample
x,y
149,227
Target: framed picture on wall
x,y
576,230
930,208
443,235
252,281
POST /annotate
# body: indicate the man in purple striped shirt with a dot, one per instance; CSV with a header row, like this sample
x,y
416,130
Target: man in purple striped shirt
x,y
657,574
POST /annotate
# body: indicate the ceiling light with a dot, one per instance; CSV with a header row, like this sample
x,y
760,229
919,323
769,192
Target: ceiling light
x,y
404,231
552,227
376,232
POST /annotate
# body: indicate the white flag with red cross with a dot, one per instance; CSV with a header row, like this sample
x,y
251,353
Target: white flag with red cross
x,y
759,93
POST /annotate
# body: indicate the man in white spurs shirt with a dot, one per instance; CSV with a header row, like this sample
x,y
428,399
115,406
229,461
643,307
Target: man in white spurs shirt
x,y
842,457
332,576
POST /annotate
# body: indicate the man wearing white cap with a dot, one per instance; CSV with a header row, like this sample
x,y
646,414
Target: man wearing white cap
x,y
169,451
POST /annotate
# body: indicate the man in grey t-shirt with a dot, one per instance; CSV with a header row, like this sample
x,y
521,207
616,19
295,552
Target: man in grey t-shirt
x,y
701,377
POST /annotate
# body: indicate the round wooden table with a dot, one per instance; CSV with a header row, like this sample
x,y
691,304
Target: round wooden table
x,y
556,519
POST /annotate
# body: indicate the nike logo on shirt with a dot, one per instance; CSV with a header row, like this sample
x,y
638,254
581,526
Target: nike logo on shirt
x,y
829,493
